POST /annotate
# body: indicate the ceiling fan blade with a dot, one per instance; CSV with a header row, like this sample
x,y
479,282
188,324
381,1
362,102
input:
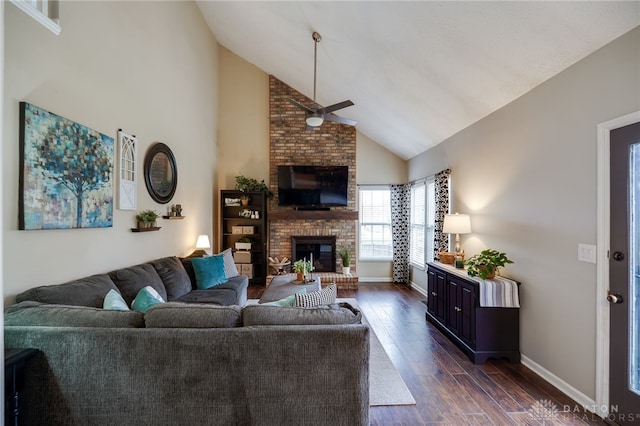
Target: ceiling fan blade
x,y
338,106
341,120
299,105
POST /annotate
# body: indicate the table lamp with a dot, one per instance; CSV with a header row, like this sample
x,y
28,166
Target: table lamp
x,y
457,224
202,243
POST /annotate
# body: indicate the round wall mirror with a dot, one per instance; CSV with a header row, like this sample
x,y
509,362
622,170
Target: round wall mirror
x,y
160,173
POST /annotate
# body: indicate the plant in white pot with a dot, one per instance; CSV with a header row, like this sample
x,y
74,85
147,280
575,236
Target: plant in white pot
x,y
345,256
244,243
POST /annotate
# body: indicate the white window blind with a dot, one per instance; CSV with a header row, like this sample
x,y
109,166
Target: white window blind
x,y
417,224
375,241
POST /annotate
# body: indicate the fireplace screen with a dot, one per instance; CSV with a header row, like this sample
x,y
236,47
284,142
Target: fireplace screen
x,y
322,248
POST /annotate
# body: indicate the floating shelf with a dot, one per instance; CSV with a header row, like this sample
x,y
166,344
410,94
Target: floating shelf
x,y
173,217
155,228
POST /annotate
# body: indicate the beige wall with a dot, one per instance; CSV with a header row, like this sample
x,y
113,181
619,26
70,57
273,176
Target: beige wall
x,y
149,68
244,149
527,176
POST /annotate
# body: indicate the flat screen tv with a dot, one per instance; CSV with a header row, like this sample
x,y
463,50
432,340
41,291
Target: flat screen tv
x,y
313,186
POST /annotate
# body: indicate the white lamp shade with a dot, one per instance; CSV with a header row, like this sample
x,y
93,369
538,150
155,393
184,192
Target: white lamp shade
x,y
457,224
203,242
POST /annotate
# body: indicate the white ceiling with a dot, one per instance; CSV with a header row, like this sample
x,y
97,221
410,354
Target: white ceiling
x,y
418,72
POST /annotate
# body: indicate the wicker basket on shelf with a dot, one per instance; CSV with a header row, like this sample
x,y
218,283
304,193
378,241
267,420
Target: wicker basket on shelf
x,y
447,257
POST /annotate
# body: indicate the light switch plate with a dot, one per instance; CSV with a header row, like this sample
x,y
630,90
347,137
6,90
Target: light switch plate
x,y
587,253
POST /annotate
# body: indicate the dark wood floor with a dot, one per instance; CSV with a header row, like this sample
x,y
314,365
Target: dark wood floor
x,y
447,387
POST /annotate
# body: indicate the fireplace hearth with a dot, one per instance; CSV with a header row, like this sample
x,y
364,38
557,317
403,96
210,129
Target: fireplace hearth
x,y
322,247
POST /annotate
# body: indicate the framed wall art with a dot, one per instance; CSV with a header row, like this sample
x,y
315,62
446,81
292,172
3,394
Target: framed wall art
x,y
66,173
127,182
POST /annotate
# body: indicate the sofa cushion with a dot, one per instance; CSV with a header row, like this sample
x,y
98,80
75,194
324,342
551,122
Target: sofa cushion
x,y
146,298
188,266
316,298
132,279
191,315
230,269
336,313
174,277
113,301
88,291
209,271
286,301
215,296
44,315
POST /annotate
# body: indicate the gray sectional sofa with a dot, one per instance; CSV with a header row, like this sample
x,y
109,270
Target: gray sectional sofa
x,y
186,363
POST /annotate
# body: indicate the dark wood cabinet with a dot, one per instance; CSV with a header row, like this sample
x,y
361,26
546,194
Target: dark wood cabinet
x,y
481,332
15,366
245,221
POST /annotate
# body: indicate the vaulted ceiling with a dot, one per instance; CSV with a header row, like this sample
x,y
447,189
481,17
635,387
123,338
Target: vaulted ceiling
x,y
418,72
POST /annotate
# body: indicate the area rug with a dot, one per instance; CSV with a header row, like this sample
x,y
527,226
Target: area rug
x,y
386,387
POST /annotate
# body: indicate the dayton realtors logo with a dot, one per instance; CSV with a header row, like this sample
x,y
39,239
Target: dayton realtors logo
x,y
544,411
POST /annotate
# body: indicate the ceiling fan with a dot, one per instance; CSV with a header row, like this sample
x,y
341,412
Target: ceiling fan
x,y
315,114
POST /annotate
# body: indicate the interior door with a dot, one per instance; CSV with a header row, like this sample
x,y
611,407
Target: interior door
x,y
624,276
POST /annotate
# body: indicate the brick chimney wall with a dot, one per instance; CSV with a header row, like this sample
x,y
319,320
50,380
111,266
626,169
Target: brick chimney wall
x,y
331,144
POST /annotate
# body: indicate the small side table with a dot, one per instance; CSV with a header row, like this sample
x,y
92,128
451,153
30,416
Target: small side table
x,y
15,362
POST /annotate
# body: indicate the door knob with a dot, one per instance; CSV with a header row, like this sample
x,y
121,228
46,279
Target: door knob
x,y
618,256
615,298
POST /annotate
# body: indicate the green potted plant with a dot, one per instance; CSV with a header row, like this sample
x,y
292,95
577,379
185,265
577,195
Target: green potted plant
x,y
244,199
244,243
246,184
345,256
486,264
146,218
300,267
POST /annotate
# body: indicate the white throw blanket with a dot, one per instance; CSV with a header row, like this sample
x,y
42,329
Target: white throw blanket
x,y
499,292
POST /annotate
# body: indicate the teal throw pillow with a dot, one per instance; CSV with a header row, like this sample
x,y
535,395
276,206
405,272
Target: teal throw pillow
x,y
146,298
209,271
287,301
114,301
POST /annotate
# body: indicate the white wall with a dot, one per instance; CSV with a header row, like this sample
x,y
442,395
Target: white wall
x,y
149,68
527,176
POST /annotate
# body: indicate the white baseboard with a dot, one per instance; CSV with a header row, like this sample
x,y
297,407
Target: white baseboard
x,y
580,398
419,289
374,279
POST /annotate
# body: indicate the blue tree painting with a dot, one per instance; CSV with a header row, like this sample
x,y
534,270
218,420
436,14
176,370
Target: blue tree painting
x,y
66,173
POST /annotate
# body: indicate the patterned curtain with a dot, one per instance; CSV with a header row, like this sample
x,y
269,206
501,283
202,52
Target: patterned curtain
x,y
400,232
440,239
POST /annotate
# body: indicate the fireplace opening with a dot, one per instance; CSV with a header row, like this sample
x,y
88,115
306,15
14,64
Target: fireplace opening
x,y
323,250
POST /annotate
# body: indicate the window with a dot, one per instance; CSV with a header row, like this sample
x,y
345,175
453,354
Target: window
x,y
43,11
417,224
375,242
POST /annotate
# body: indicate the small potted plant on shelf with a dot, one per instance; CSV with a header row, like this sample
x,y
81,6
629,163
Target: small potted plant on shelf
x,y
301,268
244,243
345,256
244,199
147,219
486,264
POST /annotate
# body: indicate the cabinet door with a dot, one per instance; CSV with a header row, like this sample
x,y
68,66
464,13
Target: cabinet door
x,y
466,303
453,305
436,300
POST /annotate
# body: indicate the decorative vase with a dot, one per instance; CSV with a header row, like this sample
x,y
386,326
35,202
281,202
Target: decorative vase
x,y
299,276
244,202
346,270
489,276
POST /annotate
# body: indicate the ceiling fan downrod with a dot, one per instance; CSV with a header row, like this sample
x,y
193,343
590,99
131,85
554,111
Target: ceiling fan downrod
x,y
316,39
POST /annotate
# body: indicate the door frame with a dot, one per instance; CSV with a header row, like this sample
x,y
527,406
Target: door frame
x,y
602,265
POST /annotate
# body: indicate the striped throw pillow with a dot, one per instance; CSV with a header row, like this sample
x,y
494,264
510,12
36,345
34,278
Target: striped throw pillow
x,y
325,296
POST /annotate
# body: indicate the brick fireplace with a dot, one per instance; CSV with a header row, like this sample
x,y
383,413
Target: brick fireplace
x,y
291,144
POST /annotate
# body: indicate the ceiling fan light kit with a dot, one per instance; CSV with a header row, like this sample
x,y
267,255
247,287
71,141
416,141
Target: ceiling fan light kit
x,y
316,114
